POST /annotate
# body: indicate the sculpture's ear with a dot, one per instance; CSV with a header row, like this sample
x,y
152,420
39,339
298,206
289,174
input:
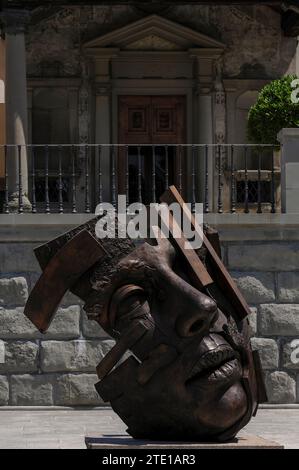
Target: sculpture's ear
x,y
63,270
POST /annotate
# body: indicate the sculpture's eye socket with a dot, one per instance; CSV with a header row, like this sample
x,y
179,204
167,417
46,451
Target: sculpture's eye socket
x,y
128,303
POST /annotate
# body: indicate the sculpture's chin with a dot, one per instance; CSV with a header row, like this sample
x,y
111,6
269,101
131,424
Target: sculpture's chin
x,y
227,411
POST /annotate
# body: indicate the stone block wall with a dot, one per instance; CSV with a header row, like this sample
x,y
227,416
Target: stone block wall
x,y
268,275
59,368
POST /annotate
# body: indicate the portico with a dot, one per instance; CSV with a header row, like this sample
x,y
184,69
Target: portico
x,y
156,57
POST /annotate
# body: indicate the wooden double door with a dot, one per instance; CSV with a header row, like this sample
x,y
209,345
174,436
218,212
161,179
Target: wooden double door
x,y
152,129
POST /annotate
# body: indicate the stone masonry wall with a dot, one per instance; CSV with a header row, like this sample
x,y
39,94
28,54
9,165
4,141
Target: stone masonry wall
x,y
59,368
255,45
268,275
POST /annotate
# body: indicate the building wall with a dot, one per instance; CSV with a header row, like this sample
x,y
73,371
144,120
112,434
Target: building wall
x,y
256,46
2,109
59,367
256,51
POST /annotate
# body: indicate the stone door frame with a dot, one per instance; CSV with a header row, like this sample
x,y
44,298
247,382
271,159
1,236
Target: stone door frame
x,y
182,63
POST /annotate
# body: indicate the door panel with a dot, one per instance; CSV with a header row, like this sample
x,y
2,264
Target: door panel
x,y
151,122
134,120
168,117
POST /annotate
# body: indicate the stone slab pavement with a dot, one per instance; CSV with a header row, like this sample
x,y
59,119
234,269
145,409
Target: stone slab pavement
x,y
64,428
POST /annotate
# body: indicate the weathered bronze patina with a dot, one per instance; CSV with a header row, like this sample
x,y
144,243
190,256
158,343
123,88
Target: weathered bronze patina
x,y
192,374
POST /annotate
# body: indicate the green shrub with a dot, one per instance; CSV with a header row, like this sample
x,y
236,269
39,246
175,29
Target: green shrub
x,y
273,111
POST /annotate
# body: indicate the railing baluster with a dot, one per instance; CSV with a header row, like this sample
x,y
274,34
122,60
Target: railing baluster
x,y
206,199
153,174
139,176
74,203
220,205
127,188
180,169
246,209
100,174
233,182
21,209
113,177
33,188
6,197
166,167
60,182
87,199
259,189
273,202
47,199
193,197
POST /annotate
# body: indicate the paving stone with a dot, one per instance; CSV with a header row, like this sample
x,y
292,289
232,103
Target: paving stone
x,y
268,351
14,325
264,257
256,287
66,324
281,388
20,356
75,390
80,355
4,391
288,287
27,390
13,291
91,328
278,320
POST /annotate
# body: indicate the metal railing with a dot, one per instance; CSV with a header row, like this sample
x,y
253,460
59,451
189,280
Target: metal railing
x,y
75,178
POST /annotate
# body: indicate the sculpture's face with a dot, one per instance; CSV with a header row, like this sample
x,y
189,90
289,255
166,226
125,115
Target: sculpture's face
x,y
189,382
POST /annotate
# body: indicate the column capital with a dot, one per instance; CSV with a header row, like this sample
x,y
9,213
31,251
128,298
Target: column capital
x,y
14,21
103,88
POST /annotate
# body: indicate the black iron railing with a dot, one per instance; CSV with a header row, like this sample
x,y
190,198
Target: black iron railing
x,y
76,178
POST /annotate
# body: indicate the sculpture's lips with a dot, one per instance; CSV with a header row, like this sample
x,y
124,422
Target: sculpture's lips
x,y
222,363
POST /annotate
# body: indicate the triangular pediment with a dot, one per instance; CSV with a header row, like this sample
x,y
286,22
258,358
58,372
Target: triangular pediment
x,y
154,33
152,42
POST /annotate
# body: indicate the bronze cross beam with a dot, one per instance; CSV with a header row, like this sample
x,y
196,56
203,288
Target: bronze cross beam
x,y
221,276
60,274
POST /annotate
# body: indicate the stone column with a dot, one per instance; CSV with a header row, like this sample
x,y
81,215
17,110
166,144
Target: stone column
x,y
289,139
220,137
203,130
82,114
16,104
101,59
103,136
205,136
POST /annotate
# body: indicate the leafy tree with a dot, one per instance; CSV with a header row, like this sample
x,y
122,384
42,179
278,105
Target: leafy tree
x,y
273,111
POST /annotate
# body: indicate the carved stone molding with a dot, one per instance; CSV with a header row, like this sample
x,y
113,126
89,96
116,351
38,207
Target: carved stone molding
x,y
84,119
103,89
220,115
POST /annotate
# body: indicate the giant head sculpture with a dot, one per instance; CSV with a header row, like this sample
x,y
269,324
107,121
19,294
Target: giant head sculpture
x,y
191,373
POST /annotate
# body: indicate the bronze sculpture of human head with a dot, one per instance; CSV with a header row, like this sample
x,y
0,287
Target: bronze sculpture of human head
x,y
191,374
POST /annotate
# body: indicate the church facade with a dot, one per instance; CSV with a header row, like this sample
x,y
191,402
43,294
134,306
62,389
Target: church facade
x,y
135,74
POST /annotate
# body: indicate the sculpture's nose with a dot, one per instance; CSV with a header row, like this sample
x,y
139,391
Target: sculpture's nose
x,y
198,313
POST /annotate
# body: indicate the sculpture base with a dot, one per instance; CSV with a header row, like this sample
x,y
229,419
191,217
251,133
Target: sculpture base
x,y
125,442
